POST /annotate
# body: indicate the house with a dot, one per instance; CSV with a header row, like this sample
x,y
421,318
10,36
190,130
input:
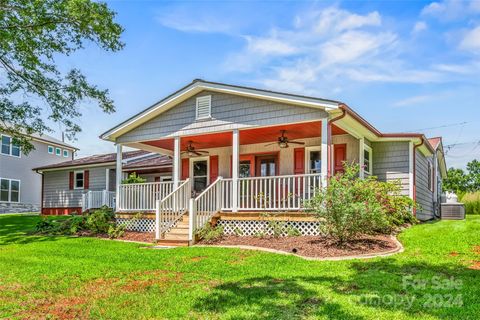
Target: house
x,y
19,185
238,151
82,184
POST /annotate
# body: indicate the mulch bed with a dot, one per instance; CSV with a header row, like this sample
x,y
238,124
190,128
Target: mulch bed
x,y
313,246
130,236
139,236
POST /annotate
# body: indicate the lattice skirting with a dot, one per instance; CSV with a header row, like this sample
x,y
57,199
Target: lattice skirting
x,y
140,225
252,227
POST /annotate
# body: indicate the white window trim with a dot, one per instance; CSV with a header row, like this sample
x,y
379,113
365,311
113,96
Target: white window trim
x,y
370,159
307,157
10,190
194,159
51,147
75,180
59,154
430,182
11,147
209,108
63,153
163,178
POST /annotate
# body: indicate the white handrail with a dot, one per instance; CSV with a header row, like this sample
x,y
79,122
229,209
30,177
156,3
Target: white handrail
x,y
171,208
142,196
287,192
94,199
205,205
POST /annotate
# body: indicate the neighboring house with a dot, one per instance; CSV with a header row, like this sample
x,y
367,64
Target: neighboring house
x,y
246,150
19,185
89,182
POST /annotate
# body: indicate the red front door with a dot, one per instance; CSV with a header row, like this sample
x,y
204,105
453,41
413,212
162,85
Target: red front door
x,y
339,156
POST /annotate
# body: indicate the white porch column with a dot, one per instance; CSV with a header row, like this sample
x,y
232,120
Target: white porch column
x,y
324,152
361,157
235,162
118,173
176,162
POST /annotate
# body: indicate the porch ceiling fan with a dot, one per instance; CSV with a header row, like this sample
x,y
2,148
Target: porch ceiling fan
x,y
191,151
283,141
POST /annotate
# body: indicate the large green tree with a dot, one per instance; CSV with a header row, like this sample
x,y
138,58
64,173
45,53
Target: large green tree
x,y
33,33
460,181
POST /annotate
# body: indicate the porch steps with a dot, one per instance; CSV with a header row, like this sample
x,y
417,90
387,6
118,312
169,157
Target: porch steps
x,y
177,236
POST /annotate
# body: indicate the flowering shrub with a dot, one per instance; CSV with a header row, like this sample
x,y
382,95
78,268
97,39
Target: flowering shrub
x,y
349,206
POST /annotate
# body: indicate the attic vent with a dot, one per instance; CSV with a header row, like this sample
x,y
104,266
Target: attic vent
x,y
204,107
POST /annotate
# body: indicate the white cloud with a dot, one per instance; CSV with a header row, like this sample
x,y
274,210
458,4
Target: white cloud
x,y
269,46
419,27
448,10
413,101
323,50
182,19
471,40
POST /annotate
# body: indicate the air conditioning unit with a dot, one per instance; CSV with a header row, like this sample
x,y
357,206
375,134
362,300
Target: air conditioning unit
x,y
451,209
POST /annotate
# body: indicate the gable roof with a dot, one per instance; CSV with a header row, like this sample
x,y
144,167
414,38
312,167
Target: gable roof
x,y
134,159
46,138
199,85
435,142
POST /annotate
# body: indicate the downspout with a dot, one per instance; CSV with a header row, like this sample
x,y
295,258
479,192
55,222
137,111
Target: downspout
x,y
344,113
41,196
422,141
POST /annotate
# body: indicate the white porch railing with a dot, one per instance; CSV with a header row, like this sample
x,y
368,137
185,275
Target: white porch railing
x,y
171,208
277,193
203,207
143,196
98,199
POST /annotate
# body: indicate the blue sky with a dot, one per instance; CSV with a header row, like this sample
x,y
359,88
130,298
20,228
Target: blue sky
x,y
404,66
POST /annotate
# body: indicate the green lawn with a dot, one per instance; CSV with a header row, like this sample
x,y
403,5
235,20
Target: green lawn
x,y
63,277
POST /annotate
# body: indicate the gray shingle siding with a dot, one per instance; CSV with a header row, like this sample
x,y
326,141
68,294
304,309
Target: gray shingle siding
x,y
228,112
424,195
56,187
30,181
391,162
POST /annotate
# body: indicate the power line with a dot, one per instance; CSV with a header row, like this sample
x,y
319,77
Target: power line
x,y
443,126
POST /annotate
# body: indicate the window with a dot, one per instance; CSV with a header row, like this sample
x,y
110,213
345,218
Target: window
x,y
9,190
203,107
79,180
367,159
50,149
200,174
58,151
430,176
244,168
313,160
65,153
9,147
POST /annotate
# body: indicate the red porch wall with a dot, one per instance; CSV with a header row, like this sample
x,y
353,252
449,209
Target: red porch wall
x,y
61,211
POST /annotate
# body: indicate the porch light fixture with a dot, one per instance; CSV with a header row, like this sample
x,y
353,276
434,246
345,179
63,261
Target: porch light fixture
x,y
283,144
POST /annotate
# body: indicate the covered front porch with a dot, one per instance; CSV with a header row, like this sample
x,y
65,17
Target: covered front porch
x,y
273,168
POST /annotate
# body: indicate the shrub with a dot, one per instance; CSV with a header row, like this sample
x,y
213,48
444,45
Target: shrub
x,y
210,234
116,231
472,202
100,220
133,178
349,206
293,232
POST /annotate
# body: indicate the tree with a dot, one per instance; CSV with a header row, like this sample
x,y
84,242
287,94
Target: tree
x,y
461,182
456,181
32,88
473,168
